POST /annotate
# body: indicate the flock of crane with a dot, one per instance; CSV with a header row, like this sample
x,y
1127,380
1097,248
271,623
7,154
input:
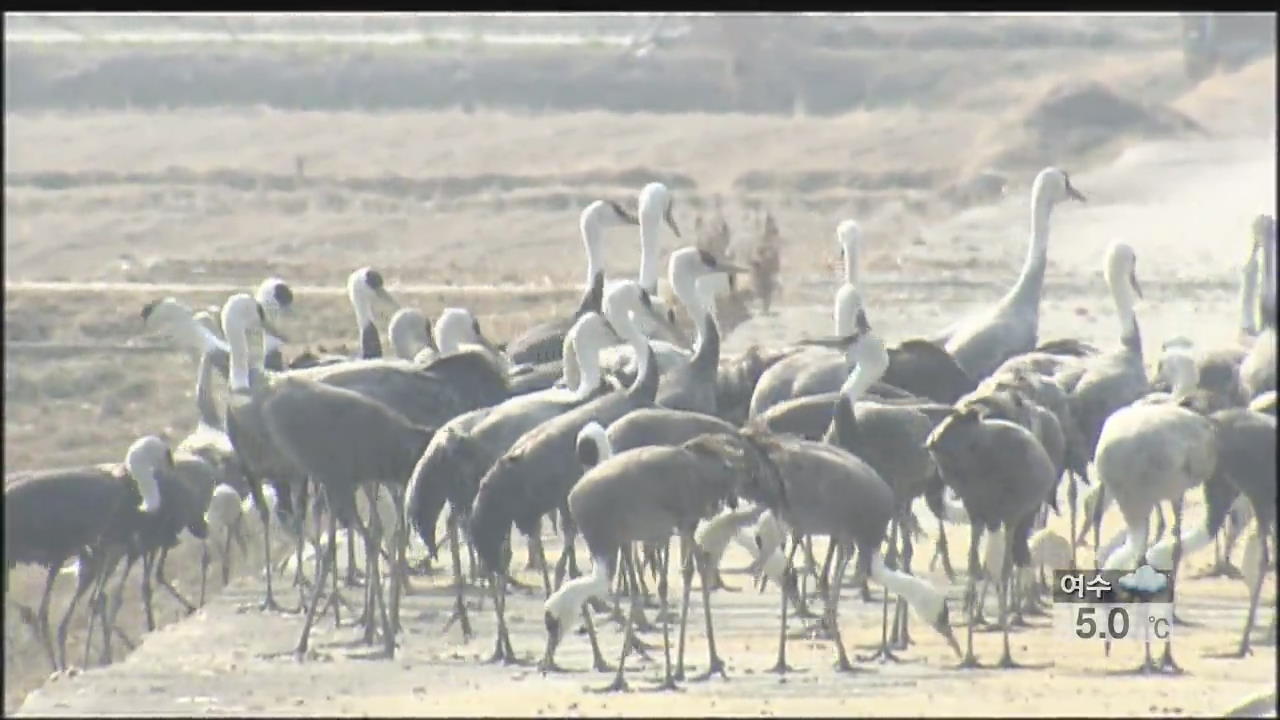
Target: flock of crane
x,y
613,426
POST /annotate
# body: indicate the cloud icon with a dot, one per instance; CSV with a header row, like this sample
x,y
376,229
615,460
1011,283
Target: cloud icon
x,y
1145,580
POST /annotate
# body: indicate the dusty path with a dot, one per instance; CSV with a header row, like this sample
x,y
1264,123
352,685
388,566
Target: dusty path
x,y
1186,210
216,663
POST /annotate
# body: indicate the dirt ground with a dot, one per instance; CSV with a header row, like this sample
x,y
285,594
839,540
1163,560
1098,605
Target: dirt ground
x,y
109,208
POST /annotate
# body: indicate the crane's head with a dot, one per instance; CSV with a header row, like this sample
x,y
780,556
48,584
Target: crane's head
x,y
148,460
1053,185
275,296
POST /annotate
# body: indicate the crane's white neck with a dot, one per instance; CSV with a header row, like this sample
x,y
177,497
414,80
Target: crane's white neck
x,y
586,357
592,234
236,326
774,565
872,360
1031,280
142,469
847,304
711,287
623,320
563,603
849,248
919,594
650,211
197,338
684,283
1123,297
360,302
205,409
570,373
1160,556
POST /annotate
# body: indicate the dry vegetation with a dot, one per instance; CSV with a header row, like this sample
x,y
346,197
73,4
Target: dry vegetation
x,y
459,190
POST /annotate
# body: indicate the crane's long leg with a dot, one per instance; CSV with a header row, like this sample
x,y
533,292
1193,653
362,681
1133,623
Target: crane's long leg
x,y
802,604
883,653
899,636
398,570
1072,495
264,513
164,582
686,575
99,604
498,587
1003,591
226,559
1255,592
619,680
824,577
148,565
1166,661
971,606
781,667
87,573
204,569
301,524
331,561
459,583
714,663
40,623
833,611
642,648
668,682
535,545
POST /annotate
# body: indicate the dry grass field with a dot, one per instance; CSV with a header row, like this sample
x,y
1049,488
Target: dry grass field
x,y
109,207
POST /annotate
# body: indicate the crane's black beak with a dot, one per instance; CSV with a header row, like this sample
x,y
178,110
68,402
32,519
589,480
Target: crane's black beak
x,y
671,221
386,297
1074,194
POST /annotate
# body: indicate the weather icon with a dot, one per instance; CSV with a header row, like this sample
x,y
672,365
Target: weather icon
x,y
1146,580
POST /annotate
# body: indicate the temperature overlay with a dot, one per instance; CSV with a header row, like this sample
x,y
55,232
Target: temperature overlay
x,y
1145,622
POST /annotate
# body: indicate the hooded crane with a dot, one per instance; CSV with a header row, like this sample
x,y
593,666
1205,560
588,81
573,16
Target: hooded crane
x,y
917,366
534,477
53,515
173,500
825,490
457,458
643,495
1002,475
692,275
337,437
1106,383
1149,453
543,343
982,341
178,321
1247,461
1219,367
